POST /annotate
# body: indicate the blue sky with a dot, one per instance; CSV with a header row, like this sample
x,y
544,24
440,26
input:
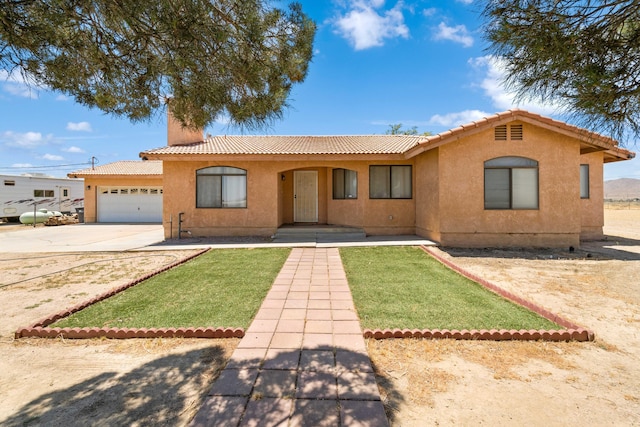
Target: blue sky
x,y
417,62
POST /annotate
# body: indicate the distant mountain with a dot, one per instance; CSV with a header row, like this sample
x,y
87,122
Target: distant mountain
x,y
622,189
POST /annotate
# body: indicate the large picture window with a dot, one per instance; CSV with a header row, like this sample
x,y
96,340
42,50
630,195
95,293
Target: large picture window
x,y
345,184
511,183
221,187
390,182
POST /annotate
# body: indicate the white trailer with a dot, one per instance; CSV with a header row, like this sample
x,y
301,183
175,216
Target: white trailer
x,y
20,193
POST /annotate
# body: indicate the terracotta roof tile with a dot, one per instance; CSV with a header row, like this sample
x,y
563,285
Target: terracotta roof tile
x,y
125,167
291,145
409,145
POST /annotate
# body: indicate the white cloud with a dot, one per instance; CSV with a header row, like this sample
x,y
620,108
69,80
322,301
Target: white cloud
x,y
465,1
25,140
79,127
494,70
365,27
22,165
429,12
53,157
456,119
73,149
15,85
457,34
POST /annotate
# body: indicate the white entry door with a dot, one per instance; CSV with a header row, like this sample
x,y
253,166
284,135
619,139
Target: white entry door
x,y
305,196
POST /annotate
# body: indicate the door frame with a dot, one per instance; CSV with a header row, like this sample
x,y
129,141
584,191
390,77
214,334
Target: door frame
x,y
314,196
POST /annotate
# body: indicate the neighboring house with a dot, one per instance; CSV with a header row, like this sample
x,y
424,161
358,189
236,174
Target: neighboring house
x,y
512,179
126,191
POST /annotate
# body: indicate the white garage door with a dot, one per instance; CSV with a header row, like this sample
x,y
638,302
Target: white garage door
x,y
129,204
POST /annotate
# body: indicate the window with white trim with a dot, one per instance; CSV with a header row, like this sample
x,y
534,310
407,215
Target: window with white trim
x,y
584,181
221,187
511,183
345,184
390,182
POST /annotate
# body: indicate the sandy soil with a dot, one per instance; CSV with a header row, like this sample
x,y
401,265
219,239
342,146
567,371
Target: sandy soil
x,y
541,384
423,382
94,382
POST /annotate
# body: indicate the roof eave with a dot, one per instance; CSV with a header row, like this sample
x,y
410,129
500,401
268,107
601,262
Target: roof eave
x,y
272,157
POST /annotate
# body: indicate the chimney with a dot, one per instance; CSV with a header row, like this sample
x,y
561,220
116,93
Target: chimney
x,y
179,135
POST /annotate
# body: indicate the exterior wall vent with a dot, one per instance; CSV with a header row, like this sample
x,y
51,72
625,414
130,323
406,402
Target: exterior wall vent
x,y
516,132
501,133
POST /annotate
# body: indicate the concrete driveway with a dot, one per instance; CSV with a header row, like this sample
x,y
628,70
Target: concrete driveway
x,y
79,237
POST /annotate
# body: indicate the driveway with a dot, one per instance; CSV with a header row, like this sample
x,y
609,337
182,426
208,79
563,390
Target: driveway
x,y
79,237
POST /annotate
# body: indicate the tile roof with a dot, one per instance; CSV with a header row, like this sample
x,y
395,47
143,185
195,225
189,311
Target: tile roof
x,y
593,139
292,145
125,167
409,145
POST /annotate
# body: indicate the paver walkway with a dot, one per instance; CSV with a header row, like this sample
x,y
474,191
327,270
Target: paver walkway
x,y
303,360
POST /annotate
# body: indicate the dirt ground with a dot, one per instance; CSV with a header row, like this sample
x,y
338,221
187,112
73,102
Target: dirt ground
x,y
423,382
94,382
533,383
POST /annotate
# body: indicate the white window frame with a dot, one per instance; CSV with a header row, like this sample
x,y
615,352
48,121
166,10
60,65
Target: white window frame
x,y
511,183
221,187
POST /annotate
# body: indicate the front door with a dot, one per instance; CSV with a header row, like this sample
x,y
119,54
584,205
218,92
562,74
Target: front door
x,y
305,196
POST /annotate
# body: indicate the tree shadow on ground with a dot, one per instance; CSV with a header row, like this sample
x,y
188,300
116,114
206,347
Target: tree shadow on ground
x,y
317,386
161,392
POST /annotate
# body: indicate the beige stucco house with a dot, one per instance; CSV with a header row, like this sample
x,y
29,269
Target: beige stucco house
x,y
512,179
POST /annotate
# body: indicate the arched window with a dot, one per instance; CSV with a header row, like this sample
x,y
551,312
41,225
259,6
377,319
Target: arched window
x,y
221,187
511,183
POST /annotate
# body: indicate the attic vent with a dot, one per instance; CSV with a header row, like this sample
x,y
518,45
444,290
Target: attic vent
x,y
501,133
516,132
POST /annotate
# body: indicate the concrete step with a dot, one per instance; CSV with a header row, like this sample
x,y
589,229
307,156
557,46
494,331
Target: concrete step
x,y
318,233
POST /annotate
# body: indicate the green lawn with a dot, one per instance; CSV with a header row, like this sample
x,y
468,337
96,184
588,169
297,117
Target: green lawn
x,y
403,287
222,288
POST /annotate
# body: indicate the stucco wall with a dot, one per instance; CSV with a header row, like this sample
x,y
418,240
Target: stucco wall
x,y
91,184
428,195
592,209
270,200
465,222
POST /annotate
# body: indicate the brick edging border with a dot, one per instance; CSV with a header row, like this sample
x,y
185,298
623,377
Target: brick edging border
x,y
483,334
40,328
572,332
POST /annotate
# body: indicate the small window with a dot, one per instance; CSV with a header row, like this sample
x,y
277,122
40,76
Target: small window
x,y
345,184
511,183
390,182
221,187
9,183
144,191
43,193
500,133
133,191
584,181
153,191
65,192
124,191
